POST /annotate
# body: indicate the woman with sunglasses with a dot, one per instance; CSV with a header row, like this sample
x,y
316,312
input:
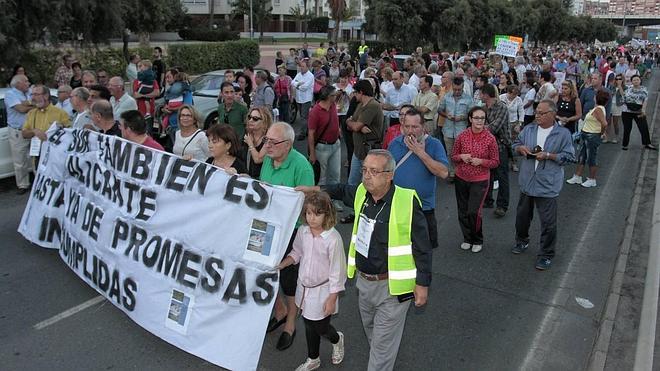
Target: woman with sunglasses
x,y
258,122
224,149
190,142
475,152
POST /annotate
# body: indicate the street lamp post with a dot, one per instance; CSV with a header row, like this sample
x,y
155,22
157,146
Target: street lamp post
x,y
251,24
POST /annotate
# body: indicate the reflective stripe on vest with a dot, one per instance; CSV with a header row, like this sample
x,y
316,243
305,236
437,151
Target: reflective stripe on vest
x,y
400,263
361,49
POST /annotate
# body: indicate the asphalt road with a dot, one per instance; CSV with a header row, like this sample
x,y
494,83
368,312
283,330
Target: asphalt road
x,y
490,310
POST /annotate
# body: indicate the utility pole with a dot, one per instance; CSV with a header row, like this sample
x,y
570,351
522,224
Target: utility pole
x,y
251,24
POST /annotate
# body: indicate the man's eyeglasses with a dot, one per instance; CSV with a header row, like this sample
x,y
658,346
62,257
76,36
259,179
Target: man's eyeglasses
x,y
541,113
374,172
273,142
254,118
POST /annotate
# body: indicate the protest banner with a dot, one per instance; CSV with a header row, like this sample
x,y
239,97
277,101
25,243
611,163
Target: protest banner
x,y
497,39
507,48
181,247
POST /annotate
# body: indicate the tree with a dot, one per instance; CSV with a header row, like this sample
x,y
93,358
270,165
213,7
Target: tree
x,y
337,10
261,11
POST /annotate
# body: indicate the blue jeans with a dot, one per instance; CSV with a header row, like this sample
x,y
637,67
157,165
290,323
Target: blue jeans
x,y
355,176
329,157
588,148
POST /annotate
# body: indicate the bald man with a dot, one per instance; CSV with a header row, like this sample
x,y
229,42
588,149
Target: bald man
x,y
120,100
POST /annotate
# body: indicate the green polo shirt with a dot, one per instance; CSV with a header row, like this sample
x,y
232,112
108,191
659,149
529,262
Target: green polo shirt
x,y
235,117
294,171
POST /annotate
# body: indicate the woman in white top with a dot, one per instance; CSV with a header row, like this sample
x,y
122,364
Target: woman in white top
x,y
190,142
516,115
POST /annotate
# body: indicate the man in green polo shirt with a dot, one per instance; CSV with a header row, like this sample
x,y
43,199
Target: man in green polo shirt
x,y
231,111
285,166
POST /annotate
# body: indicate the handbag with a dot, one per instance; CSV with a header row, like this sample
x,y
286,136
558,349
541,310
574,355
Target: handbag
x,y
634,107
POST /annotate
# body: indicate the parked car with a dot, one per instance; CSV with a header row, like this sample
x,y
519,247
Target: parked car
x,y
6,162
206,89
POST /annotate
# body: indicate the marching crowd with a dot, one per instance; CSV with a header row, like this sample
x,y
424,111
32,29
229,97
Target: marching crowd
x,y
401,123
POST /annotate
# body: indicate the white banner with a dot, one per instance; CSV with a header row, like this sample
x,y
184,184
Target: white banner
x,y
507,48
185,250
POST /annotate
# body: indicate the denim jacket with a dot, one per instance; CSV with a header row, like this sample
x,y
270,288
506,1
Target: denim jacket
x,y
455,107
177,89
547,179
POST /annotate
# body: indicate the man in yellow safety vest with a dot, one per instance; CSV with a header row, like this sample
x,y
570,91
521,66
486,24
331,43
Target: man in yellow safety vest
x,y
390,250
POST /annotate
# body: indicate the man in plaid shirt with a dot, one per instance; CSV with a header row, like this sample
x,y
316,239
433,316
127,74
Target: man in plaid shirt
x,y
497,121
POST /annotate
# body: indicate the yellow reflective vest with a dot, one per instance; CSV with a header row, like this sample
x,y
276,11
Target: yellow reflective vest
x,y
361,49
400,263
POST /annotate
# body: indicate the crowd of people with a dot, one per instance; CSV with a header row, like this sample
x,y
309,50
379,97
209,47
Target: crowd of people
x,y
469,118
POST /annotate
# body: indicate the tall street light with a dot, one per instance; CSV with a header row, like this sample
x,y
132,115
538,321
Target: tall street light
x,y
251,26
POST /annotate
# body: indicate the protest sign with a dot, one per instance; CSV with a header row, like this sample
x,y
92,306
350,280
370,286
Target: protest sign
x,y
507,48
182,248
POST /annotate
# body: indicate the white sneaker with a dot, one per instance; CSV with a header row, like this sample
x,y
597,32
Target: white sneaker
x,y
496,184
614,141
589,183
466,246
576,179
476,248
338,350
310,364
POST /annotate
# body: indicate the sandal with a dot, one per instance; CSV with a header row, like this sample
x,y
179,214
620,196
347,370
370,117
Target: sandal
x,y
347,219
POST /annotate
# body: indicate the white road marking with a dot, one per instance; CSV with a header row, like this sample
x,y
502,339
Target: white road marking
x,y
68,313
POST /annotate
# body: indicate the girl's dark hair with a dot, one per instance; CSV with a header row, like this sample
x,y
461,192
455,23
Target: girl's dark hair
x,y
227,133
473,110
320,203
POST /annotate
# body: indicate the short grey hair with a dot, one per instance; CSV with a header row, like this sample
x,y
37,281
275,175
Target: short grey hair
x,y
16,79
89,72
552,106
81,93
44,90
433,68
262,75
289,133
391,164
64,88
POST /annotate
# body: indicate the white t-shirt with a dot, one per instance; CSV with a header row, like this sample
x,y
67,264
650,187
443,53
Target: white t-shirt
x,y
529,97
196,145
541,136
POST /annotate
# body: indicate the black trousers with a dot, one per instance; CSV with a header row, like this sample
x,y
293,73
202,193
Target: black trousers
x,y
433,227
547,209
501,174
469,200
642,125
313,332
347,137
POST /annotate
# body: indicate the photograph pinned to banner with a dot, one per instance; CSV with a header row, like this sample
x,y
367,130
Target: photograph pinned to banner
x,y
260,242
178,315
35,147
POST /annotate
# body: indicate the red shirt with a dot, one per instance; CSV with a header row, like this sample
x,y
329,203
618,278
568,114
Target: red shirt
x,y
318,120
142,102
151,143
483,146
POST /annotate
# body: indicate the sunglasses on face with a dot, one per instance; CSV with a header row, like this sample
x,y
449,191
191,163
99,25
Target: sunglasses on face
x,y
254,118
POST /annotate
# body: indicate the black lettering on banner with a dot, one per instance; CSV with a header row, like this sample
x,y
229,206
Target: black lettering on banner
x,y
114,287
59,200
120,232
150,259
138,237
121,155
95,270
266,286
201,176
79,254
179,170
169,258
103,276
74,206
185,270
92,220
141,161
56,137
164,161
234,182
237,282
80,142
130,288
212,282
147,204
132,190
86,273
263,197
49,228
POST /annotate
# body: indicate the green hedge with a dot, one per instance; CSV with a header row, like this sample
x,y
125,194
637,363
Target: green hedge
x,y
41,64
198,58
208,35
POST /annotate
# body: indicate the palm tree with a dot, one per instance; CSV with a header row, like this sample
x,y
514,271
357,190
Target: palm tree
x,y
337,8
